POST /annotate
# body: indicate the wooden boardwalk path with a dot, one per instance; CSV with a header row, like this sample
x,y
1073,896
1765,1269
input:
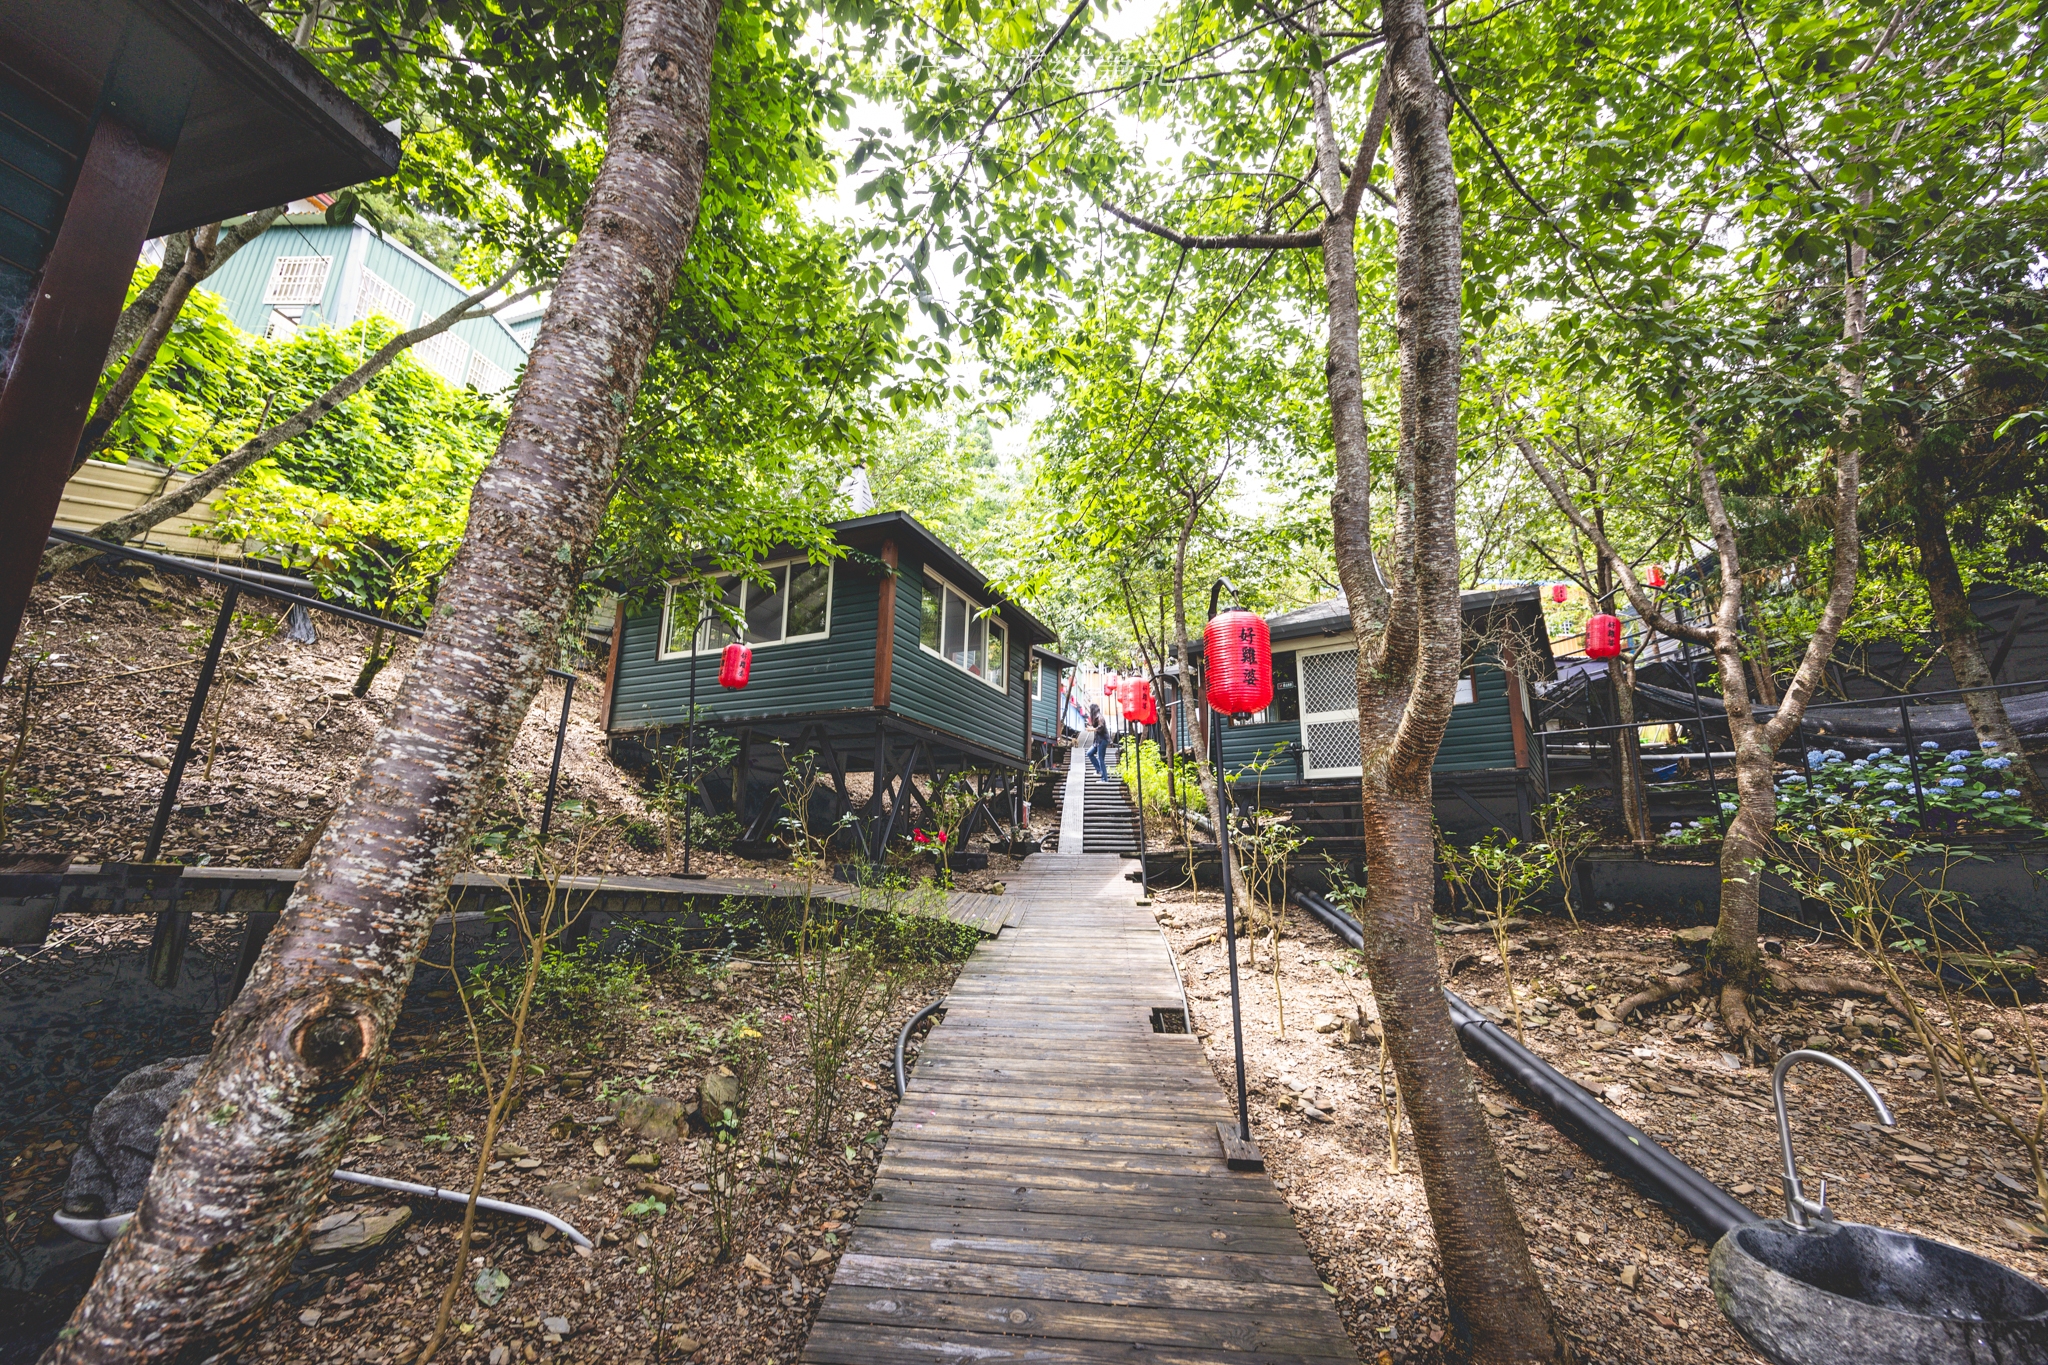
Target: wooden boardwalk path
x,y
1053,1189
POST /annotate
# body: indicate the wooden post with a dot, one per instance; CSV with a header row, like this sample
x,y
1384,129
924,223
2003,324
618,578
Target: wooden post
x,y
885,627
47,390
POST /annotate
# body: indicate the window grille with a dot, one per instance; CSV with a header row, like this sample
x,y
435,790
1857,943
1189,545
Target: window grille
x,y
376,295
446,355
485,377
298,279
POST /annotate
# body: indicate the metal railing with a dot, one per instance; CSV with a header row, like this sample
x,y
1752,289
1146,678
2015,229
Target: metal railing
x,y
234,581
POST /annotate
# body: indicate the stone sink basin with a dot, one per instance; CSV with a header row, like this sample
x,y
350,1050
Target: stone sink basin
x,y
1838,1293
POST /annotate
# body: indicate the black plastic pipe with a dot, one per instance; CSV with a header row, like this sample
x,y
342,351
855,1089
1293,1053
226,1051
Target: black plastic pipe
x,y
1704,1207
903,1041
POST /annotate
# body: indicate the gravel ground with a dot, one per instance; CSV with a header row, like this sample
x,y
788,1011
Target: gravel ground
x,y
1368,1226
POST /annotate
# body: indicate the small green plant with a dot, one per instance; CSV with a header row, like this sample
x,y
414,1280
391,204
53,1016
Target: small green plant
x,y
586,984
723,1147
1499,873
1566,837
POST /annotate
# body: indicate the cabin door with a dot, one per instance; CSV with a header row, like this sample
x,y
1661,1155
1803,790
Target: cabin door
x,y
1328,680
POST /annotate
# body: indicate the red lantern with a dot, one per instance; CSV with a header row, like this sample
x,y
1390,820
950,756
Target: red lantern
x,y
1139,706
1603,636
1656,575
1238,653
735,665
1557,592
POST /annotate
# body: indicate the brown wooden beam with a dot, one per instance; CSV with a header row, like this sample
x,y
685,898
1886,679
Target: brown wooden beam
x,y
885,627
47,390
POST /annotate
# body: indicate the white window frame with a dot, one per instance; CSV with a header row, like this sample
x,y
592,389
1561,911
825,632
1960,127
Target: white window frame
x,y
298,279
446,355
1037,678
375,295
484,374
993,620
749,586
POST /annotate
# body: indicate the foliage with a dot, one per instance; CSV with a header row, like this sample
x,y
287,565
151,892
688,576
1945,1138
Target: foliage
x,y
1566,836
584,985
1498,874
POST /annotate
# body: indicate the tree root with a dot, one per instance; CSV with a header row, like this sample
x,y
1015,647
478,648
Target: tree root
x,y
1658,993
1735,1016
1785,983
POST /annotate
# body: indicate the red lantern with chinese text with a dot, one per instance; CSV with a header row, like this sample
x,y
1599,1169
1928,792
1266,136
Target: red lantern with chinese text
x,y
735,665
1139,706
1603,636
1557,592
1238,655
1656,575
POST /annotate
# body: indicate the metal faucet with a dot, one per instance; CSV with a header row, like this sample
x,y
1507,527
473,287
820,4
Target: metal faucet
x,y
1798,1208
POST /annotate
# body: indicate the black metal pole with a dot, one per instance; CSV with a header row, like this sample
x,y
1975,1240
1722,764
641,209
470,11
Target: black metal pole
x,y
547,807
1144,879
1913,762
1699,713
690,743
1244,1121
193,714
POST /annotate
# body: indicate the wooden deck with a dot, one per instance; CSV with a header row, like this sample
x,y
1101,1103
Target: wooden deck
x,y
1053,1189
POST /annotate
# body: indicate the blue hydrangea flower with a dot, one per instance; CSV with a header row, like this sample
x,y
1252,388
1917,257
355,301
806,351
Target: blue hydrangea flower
x,y
1883,753
1987,744
1836,800
1958,755
1836,755
2012,793
1889,805
1815,758
1894,786
1929,744
1998,765
1957,768
1951,781
1792,778
1859,785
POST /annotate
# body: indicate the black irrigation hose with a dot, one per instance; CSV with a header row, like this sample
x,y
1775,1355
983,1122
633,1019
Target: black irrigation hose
x,y
903,1041
1704,1207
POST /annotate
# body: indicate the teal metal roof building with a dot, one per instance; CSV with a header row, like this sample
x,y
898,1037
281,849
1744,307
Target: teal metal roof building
x,y
305,273
892,667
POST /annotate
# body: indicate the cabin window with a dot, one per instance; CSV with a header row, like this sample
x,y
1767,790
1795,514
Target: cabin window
x,y
957,631
794,604
297,279
1037,679
1464,696
376,296
1286,703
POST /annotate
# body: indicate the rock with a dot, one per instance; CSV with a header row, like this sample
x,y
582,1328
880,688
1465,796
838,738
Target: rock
x,y
719,1090
1983,1035
657,1118
559,1326
491,1284
1745,1188
354,1229
1494,1108
1630,1277
536,1243
1327,1023
1606,1028
758,1266
1516,1171
1313,1114
688,1346
500,1355
509,1150
310,1318
644,1160
601,1147
572,1191
1820,1042
109,1171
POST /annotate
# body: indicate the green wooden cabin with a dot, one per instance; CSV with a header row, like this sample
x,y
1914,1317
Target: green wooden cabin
x,y
891,666
1302,751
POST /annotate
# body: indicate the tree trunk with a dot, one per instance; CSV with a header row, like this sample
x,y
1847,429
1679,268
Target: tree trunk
x,y
1951,603
247,1154
1628,762
1408,664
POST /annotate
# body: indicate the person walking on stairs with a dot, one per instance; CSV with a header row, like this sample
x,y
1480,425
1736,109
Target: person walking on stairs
x,y
1098,742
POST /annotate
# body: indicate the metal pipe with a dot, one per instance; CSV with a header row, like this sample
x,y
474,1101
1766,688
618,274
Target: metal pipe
x,y
193,715
1798,1208
1244,1120
101,1230
1698,1202
903,1041
547,807
1912,761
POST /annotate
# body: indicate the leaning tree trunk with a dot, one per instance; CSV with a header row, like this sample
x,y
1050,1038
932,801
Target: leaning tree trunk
x,y
1409,658
1951,603
247,1155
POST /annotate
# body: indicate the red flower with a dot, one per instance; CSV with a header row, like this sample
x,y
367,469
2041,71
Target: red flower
x,y
941,836
920,836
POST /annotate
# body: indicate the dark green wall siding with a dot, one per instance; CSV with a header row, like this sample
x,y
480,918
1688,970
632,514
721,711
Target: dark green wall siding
x,y
1479,735
833,674
929,689
1045,709
40,147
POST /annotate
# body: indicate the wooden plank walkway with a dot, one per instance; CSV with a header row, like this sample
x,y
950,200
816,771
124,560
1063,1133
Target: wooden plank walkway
x,y
1053,1190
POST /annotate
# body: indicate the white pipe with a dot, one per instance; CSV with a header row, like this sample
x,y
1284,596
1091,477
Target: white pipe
x,y
103,1230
